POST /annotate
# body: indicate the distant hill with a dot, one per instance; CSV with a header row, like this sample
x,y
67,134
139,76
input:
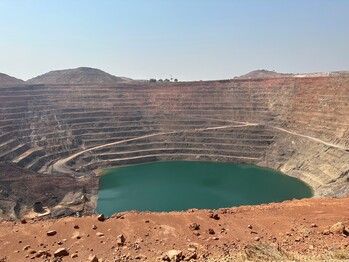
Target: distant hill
x,y
9,80
262,74
325,74
81,75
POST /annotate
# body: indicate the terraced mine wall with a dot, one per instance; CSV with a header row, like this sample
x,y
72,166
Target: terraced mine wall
x,y
299,126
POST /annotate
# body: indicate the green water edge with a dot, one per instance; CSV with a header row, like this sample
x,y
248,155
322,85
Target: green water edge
x,y
181,185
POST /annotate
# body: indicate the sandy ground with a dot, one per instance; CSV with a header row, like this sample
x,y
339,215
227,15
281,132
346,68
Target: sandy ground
x,y
301,227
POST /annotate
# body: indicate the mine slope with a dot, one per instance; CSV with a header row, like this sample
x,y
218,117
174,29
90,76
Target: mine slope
x,y
76,122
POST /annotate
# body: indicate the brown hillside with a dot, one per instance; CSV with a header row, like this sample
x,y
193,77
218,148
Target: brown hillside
x,y
262,74
9,80
81,75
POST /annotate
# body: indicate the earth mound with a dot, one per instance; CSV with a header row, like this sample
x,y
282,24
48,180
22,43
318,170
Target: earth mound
x,y
9,80
262,74
81,75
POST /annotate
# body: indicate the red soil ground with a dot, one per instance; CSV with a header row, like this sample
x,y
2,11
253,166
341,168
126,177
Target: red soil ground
x,y
299,227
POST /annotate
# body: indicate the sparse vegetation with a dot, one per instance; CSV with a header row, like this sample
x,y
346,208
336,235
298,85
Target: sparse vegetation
x,y
153,80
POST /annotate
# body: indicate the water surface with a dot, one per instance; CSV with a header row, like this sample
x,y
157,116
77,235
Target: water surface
x,y
180,185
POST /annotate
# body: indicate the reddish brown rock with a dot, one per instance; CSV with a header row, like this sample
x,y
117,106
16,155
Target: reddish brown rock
x,y
101,217
214,216
211,231
61,252
51,233
194,226
92,258
99,234
173,255
337,228
120,240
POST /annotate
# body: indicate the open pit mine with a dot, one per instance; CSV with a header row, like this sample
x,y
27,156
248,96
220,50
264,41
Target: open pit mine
x,y
58,131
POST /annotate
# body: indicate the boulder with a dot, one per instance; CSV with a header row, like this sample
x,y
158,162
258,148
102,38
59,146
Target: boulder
x,y
37,207
211,231
337,228
194,226
120,240
101,217
92,258
214,216
51,233
60,252
192,256
173,255
99,234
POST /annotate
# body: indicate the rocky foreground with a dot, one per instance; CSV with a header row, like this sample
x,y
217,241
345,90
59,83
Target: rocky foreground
x,y
299,230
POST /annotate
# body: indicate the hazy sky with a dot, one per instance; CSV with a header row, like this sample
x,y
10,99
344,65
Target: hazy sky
x,y
188,39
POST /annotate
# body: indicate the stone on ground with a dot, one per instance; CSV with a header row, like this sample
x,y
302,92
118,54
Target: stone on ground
x,y
60,252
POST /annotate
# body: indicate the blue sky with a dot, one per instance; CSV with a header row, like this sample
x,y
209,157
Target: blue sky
x,y
186,39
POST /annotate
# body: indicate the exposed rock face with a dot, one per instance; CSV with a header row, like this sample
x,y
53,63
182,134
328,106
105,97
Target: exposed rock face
x,y
298,125
61,195
6,80
81,75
